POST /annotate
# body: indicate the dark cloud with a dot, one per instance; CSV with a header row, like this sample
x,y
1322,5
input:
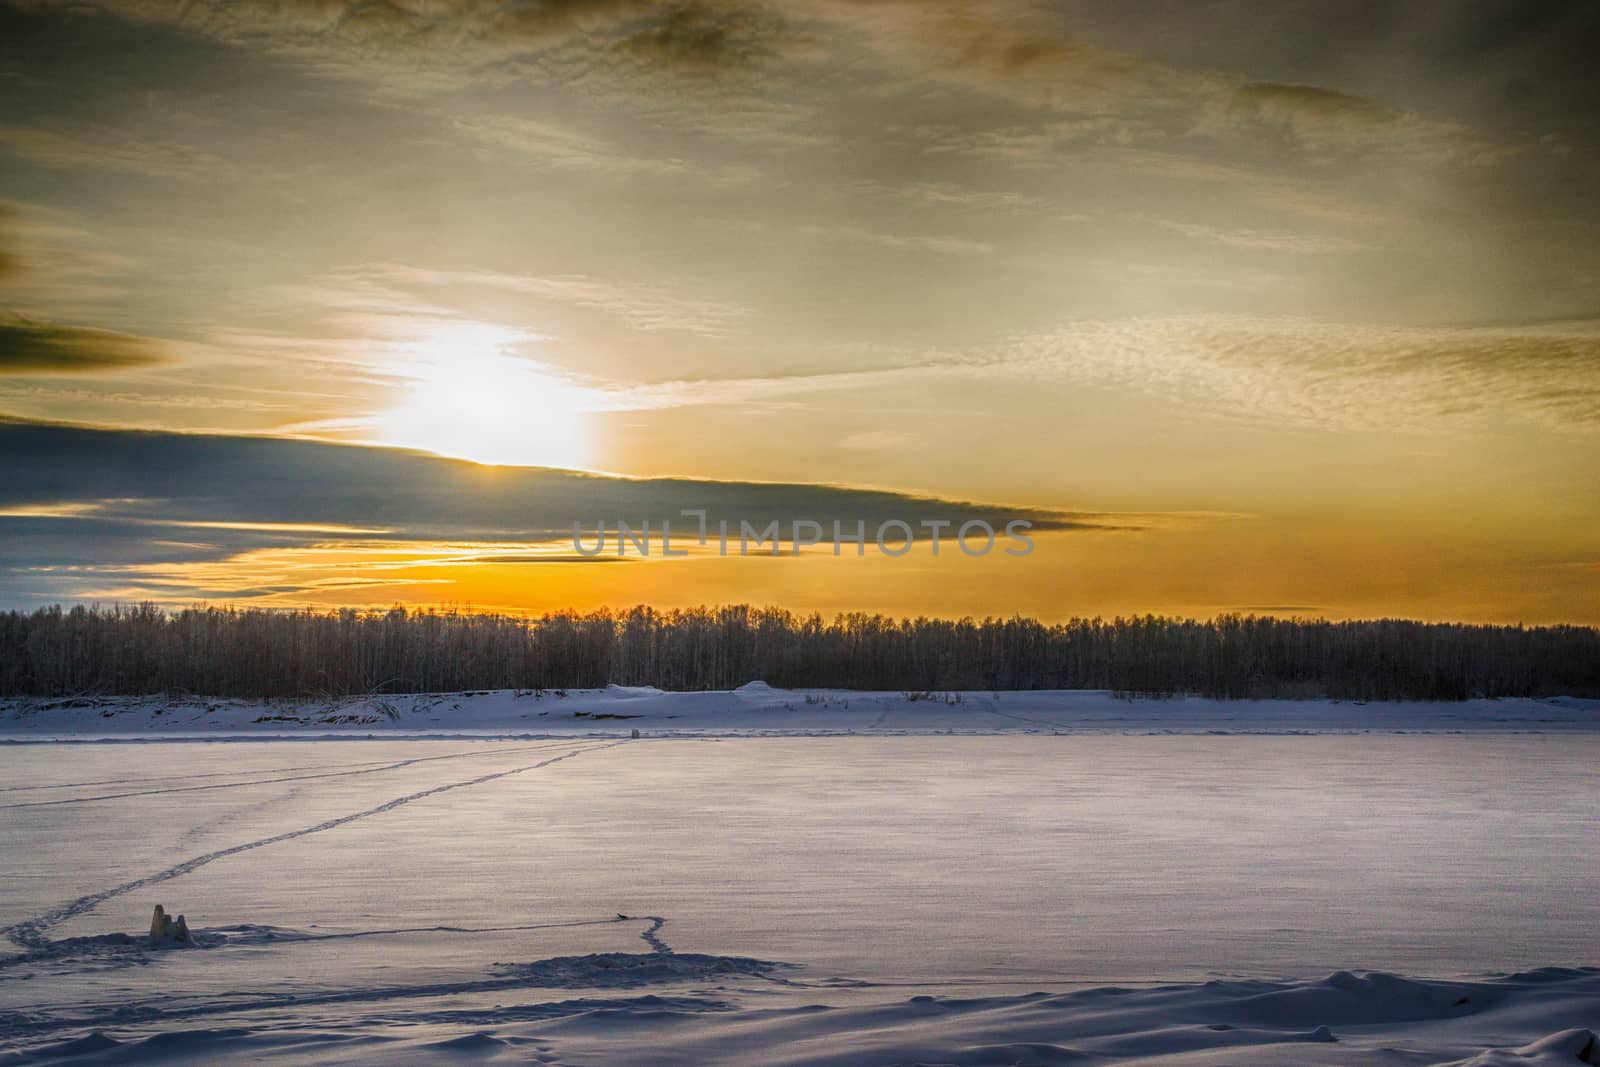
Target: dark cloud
x,y
10,265
471,33
1274,99
111,504
700,37
544,20
1519,65
1003,51
1321,120
1510,66
193,478
31,347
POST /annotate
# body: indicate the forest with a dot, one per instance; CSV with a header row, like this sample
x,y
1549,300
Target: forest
x,y
253,652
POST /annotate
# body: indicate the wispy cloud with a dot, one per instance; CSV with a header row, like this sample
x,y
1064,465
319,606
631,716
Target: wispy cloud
x,y
1331,376
551,145
49,261
1335,376
904,242
770,391
108,152
950,195
1264,240
639,305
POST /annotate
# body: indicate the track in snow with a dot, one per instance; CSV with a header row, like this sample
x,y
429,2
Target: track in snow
x,y
651,937
207,774
30,933
367,769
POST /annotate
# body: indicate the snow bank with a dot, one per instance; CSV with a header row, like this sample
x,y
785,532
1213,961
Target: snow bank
x,y
717,1010
624,692
1565,1049
761,695
1344,998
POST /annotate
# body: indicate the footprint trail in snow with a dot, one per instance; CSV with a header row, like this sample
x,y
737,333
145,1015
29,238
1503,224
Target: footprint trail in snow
x,y
31,933
366,769
651,938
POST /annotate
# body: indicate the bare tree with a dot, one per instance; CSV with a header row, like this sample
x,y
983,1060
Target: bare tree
x,y
253,652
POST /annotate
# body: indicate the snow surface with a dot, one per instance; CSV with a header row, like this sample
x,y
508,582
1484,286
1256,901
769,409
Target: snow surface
x,y
757,708
763,880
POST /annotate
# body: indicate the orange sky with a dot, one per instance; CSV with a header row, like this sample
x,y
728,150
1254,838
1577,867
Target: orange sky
x,y
1308,323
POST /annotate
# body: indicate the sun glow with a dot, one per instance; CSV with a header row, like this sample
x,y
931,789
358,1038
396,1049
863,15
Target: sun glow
x,y
471,399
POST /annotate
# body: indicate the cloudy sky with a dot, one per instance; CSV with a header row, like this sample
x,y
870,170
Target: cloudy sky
x,y
1287,307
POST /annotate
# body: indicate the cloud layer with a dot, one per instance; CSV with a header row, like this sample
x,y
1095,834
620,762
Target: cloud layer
x,y
1158,256
103,504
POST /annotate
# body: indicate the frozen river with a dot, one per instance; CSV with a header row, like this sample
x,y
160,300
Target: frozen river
x,y
364,891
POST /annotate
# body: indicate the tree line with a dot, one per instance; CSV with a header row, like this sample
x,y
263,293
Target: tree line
x,y
253,652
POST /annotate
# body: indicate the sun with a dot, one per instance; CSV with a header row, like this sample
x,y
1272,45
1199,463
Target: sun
x,y
471,399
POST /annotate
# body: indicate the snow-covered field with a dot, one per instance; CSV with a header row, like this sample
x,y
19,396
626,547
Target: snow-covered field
x,y
757,708
801,878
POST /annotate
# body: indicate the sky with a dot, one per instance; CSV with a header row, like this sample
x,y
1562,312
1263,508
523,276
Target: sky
x,y
1286,308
